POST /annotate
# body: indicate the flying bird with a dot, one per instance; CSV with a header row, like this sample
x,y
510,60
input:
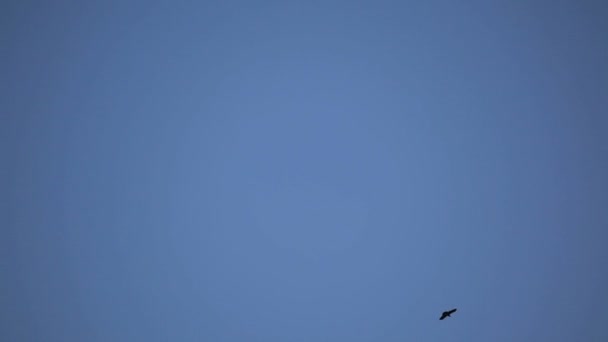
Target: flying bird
x,y
447,314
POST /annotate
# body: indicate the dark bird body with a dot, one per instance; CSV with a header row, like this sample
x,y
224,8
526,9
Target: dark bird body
x,y
447,314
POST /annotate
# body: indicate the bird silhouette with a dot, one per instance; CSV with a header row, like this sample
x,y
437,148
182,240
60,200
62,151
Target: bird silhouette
x,y
447,314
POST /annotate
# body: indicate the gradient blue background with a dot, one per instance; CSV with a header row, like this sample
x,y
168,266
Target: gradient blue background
x,y
304,171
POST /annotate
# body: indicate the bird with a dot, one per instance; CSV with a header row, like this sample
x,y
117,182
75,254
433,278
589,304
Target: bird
x,y
447,314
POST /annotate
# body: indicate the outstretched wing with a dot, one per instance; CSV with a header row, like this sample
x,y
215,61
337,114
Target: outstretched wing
x,y
451,311
443,315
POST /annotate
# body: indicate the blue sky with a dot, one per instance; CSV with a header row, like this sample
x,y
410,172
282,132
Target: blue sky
x,y
304,171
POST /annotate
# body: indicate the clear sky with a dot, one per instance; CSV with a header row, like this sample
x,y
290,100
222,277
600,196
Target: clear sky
x,y
281,171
